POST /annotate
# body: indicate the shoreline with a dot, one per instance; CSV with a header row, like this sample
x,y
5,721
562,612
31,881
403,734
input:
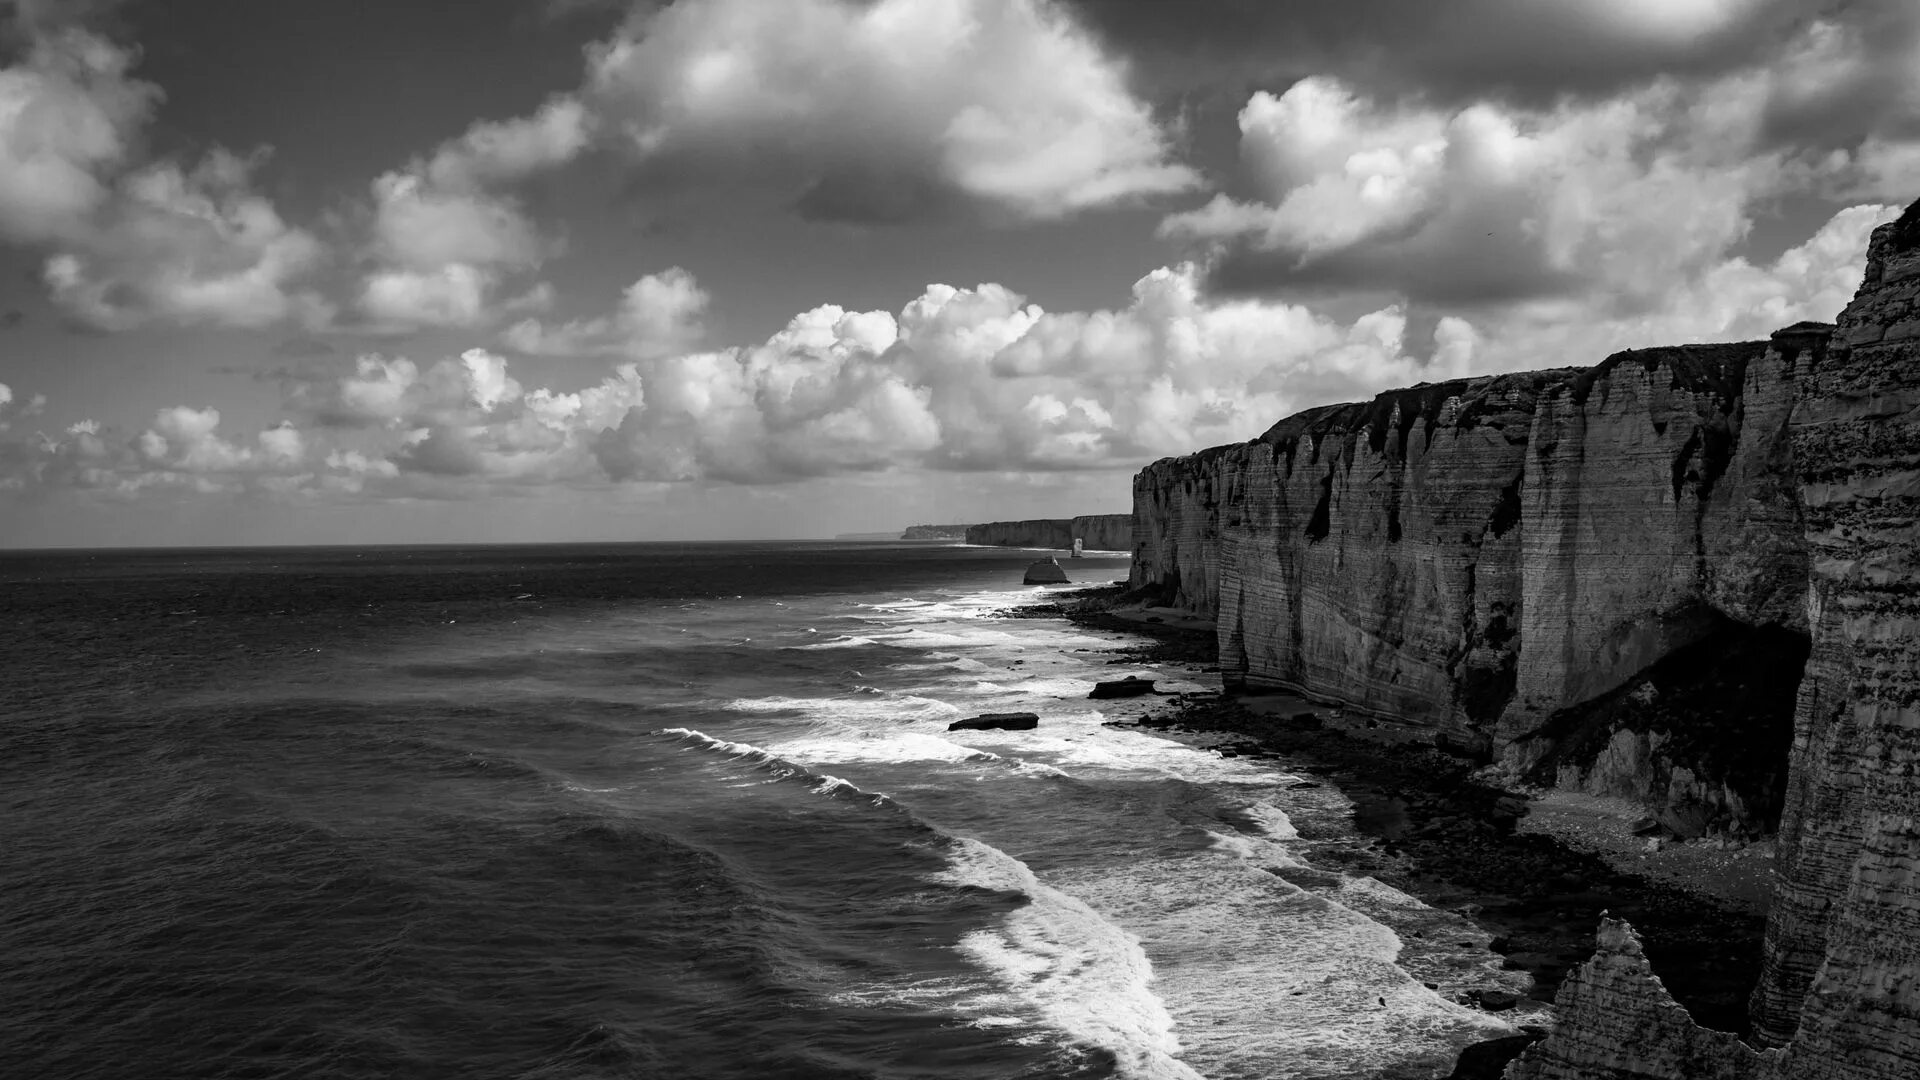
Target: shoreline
x,y
1535,869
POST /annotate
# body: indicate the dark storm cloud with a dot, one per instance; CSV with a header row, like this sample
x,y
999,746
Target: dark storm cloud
x,y
24,20
1523,51
858,196
1873,91
1495,275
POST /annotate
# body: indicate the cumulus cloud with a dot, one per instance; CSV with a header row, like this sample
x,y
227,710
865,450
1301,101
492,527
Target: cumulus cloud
x,y
659,314
456,294
445,238
961,379
129,243
68,114
182,449
957,379
890,109
504,151
1624,197
1519,51
188,246
1735,299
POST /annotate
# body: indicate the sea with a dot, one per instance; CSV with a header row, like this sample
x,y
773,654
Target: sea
x,y
684,810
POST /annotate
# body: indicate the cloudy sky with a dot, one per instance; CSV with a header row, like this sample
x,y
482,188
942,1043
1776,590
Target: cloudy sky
x,y
298,271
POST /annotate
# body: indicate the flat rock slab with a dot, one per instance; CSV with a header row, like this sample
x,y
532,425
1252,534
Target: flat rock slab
x,y
1131,686
1488,1059
1008,721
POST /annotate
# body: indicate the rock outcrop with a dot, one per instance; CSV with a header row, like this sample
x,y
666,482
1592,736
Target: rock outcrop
x,y
1617,1021
998,721
1045,572
1131,686
1483,555
1097,532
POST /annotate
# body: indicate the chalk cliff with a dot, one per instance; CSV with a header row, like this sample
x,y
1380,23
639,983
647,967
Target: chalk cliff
x,y
1485,555
1097,532
1842,977
1579,570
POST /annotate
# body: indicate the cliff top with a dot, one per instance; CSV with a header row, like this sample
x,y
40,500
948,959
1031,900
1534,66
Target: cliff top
x,y
1717,368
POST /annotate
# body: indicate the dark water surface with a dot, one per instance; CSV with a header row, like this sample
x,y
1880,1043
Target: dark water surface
x,y
643,810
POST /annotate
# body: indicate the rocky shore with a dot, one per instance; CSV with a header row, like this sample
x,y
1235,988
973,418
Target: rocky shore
x,y
1535,868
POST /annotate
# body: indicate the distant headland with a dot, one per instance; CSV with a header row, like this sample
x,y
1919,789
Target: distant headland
x,y
1096,532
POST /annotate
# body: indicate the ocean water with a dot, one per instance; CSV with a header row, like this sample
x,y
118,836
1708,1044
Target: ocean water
x,y
654,810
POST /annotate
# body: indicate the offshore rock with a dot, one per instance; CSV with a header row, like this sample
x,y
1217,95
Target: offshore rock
x,y
1131,686
1045,572
1485,554
1004,721
1097,532
1617,1021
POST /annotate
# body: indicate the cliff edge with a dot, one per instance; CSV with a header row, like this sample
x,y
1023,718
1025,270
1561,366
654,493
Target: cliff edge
x,y
1506,560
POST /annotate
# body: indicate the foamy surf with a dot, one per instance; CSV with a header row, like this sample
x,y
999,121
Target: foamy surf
x,y
1266,979
777,767
1082,975
1177,947
868,705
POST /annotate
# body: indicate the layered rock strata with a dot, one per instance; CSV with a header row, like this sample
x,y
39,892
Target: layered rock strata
x,y
1479,556
1096,532
1842,977
1523,561
1617,1021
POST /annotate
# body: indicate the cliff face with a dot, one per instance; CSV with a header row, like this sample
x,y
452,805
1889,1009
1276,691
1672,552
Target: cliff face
x,y
1842,977
1096,532
1482,555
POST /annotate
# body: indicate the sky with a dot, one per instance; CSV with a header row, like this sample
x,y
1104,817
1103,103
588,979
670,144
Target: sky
x,y
479,271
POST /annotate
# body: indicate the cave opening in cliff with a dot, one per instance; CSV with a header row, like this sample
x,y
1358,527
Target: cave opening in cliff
x,y
1702,736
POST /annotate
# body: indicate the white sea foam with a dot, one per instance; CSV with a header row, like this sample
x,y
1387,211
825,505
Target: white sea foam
x,y
1271,820
1083,975
780,768
877,746
1332,998
865,708
846,641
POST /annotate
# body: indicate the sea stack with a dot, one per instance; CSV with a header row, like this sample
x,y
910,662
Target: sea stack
x,y
1046,572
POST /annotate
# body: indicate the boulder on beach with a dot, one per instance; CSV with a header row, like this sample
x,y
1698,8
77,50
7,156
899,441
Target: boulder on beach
x,y
1131,686
1046,572
1009,721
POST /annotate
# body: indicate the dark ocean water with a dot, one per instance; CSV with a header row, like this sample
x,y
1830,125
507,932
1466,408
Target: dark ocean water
x,y
648,810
